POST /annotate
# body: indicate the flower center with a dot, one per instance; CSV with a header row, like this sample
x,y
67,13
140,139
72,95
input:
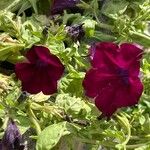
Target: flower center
x,y
40,63
124,74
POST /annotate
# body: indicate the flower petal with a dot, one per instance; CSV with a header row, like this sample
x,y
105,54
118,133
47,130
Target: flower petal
x,y
134,69
91,88
55,73
44,55
115,96
31,54
40,82
33,85
131,55
105,101
130,52
49,86
96,79
103,53
109,53
128,96
24,71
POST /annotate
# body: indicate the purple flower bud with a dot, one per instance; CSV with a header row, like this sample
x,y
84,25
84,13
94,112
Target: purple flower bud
x,y
12,137
59,5
76,32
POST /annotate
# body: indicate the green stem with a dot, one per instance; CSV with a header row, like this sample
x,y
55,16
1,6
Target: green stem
x,y
5,123
83,5
99,24
34,120
108,144
102,25
93,142
104,37
16,59
136,145
47,109
14,5
140,137
124,121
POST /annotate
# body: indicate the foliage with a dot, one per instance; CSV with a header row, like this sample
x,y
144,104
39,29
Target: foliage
x,y
68,119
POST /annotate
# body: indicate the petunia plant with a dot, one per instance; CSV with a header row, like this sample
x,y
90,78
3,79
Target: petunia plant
x,y
74,75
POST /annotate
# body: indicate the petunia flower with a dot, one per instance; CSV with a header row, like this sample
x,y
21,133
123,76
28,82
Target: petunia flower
x,y
41,72
12,137
59,5
113,79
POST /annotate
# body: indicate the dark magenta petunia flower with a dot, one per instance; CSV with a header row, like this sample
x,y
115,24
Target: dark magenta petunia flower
x,y
12,137
59,5
41,72
113,79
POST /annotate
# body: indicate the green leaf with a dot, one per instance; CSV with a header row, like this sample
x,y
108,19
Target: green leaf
x,y
114,7
140,38
144,147
14,5
24,7
40,97
73,106
18,5
72,83
34,5
24,123
5,3
9,49
10,25
44,6
142,120
31,32
89,26
103,37
51,135
12,96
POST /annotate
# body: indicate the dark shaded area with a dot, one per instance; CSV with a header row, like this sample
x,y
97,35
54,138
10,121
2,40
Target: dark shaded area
x,y
58,6
7,65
